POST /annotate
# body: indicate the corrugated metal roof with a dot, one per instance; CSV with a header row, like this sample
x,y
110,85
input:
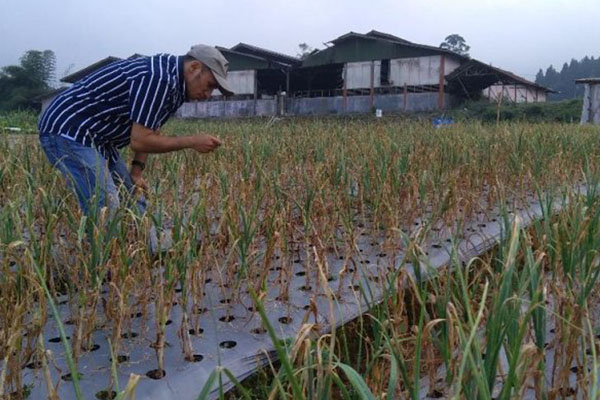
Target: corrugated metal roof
x,y
475,75
268,54
376,35
77,75
587,80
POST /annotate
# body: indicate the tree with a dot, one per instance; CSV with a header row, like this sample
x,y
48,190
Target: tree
x,y
21,84
564,81
304,51
457,44
41,65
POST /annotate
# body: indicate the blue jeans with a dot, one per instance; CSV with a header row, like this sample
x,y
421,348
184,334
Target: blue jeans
x,y
95,180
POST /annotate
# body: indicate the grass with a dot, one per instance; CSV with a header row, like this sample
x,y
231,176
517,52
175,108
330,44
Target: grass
x,y
566,111
23,121
306,189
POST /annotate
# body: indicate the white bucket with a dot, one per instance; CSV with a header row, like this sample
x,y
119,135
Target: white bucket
x,y
378,112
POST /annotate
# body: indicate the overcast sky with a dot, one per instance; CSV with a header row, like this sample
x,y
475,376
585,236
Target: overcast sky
x,y
519,35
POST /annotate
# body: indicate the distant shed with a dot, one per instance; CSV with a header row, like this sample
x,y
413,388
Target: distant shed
x,y
590,113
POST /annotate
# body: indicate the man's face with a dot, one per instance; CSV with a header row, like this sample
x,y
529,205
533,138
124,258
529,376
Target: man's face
x,y
199,81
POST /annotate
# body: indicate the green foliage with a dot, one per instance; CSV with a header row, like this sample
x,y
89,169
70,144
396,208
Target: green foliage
x,y
568,111
457,44
304,50
21,84
25,121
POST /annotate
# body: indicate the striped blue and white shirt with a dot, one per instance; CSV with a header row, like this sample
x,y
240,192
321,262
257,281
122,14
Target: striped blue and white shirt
x,y
99,110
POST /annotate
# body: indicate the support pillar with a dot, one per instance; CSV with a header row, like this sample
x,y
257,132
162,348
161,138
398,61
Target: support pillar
x,y
345,90
255,90
372,91
441,82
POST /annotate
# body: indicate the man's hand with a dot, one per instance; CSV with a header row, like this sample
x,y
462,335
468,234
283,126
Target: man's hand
x,y
204,143
144,140
138,180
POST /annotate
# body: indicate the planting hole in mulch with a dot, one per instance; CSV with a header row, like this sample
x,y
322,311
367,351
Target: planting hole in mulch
x,y
306,307
136,315
227,318
305,288
57,339
225,301
169,322
200,331
129,335
300,273
121,358
258,331
156,374
228,344
200,310
106,395
68,377
195,358
567,392
34,365
93,347
435,394
285,320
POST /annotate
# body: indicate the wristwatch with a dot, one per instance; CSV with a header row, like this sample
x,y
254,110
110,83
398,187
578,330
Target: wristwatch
x,y
139,164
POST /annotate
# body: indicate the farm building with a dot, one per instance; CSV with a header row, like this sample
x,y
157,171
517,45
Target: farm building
x,y
590,113
359,72
355,73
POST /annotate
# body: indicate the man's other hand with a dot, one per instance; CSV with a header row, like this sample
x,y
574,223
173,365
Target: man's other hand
x,y
139,182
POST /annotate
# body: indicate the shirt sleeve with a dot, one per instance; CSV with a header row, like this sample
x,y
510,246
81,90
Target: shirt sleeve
x,y
147,98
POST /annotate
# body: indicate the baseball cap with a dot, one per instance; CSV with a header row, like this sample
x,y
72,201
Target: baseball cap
x,y
216,62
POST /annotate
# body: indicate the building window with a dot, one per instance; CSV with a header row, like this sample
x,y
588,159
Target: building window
x,y
384,75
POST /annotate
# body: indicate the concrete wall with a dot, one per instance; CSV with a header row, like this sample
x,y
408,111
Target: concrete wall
x,y
420,70
591,104
227,109
242,82
358,74
362,104
414,71
413,102
518,93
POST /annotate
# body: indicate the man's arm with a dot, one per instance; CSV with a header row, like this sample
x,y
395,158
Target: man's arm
x,y
144,140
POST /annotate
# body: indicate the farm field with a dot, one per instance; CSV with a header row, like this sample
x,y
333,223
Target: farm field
x,y
311,242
